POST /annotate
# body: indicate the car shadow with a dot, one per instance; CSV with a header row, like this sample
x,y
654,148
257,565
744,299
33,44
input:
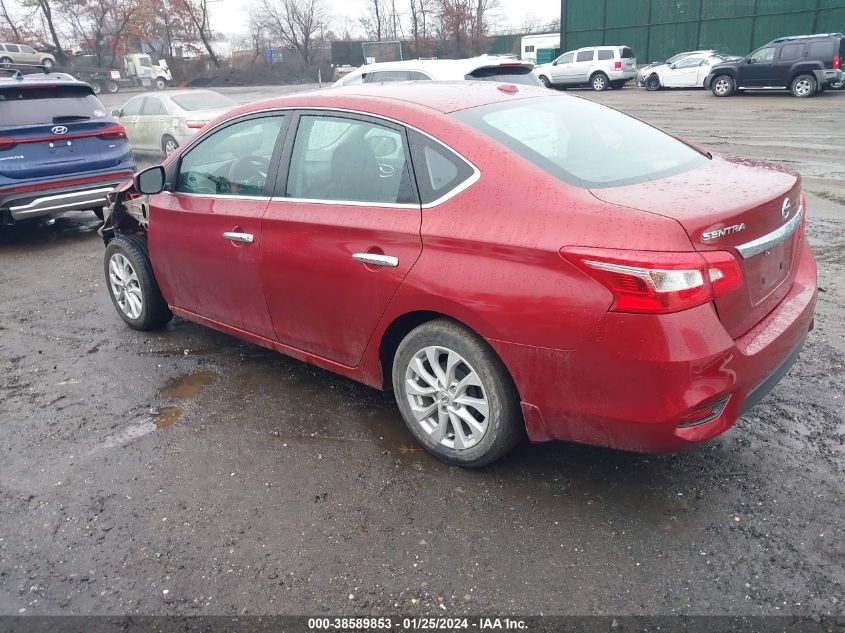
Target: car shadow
x,y
70,227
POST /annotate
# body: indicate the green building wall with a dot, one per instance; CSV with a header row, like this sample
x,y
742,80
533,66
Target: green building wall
x,y
657,29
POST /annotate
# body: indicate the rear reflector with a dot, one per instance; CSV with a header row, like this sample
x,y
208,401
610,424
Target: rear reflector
x,y
657,282
704,414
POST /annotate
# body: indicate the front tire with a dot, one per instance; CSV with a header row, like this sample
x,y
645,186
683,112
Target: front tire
x,y
112,87
804,86
723,86
652,83
599,82
47,63
96,87
132,285
455,395
545,81
160,84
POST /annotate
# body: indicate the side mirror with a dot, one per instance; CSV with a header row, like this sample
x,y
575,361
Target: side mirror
x,y
749,60
674,66
117,113
554,63
150,181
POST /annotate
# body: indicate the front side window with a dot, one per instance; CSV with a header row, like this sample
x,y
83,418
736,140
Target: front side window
x,y
347,159
133,107
27,49
689,62
234,161
763,56
584,56
566,58
583,143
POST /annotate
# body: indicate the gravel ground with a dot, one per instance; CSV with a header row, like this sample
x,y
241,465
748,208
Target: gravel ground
x,y
186,472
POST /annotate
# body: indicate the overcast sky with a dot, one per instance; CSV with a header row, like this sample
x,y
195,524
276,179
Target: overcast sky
x,y
230,16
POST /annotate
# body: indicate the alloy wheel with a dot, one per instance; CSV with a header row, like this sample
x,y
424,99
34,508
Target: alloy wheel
x,y
723,86
125,286
803,87
447,398
170,146
599,83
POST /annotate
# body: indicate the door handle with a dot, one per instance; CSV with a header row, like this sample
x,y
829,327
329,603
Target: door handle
x,y
376,260
239,237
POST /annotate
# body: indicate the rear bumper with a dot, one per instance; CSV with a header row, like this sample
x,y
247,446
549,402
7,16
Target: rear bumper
x,y
638,376
57,199
622,75
828,76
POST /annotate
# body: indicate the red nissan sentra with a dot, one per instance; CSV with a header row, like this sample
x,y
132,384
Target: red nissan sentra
x,y
508,260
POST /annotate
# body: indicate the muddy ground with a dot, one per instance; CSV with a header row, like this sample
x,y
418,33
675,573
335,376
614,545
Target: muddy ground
x,y
185,471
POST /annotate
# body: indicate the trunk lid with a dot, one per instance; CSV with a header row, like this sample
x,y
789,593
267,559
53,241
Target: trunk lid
x,y
736,206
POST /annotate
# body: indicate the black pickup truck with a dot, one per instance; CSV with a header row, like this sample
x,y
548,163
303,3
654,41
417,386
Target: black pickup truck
x,y
805,65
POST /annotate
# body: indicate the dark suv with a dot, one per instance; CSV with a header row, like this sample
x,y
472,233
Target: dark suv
x,y
60,150
804,64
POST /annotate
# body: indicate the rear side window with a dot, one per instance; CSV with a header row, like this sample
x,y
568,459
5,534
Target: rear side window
x,y
438,169
26,105
583,143
584,56
507,74
387,75
13,48
791,52
605,54
822,50
627,53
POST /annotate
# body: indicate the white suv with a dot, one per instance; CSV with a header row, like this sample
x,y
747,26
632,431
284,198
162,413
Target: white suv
x,y
597,66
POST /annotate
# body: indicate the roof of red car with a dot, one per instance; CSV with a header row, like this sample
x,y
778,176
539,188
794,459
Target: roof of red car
x,y
441,96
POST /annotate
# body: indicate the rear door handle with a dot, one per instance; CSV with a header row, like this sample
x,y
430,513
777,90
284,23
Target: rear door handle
x,y
376,260
239,237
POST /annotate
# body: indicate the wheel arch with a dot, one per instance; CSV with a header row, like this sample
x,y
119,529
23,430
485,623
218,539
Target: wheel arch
x,y
402,325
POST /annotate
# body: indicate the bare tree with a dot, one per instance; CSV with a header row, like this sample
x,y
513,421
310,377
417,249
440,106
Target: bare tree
x,y
12,26
297,24
374,22
46,9
197,12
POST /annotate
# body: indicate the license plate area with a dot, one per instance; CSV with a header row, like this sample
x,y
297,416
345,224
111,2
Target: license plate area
x,y
766,271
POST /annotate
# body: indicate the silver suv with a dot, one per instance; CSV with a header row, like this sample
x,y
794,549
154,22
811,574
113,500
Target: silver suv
x,y
597,66
22,54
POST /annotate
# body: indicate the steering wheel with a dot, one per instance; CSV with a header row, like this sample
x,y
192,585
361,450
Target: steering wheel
x,y
248,171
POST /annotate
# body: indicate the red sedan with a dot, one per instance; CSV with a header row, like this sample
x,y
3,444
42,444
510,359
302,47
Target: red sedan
x,y
506,259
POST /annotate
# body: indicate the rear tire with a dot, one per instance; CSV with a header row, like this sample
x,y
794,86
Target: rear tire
x,y
723,86
617,85
5,61
652,83
804,86
599,82
168,145
443,375
112,87
132,285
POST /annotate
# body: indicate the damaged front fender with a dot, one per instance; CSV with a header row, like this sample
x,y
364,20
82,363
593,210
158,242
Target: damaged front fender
x,y
126,213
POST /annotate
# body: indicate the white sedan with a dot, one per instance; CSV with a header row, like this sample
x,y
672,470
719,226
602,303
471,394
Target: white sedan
x,y
688,72
162,122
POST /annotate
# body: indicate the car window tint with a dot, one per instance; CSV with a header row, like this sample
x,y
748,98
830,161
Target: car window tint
x,y
583,143
626,53
584,56
791,52
339,158
763,56
387,75
438,169
25,106
13,48
352,80
605,54
822,50
417,76
689,62
152,106
566,58
516,74
27,49
233,161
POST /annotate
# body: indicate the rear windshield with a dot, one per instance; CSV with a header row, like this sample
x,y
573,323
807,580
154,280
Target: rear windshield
x,y
508,74
627,53
583,143
203,101
23,105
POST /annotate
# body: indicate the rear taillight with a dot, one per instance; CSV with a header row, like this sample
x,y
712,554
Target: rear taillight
x,y
7,143
112,132
196,125
656,282
836,62
618,65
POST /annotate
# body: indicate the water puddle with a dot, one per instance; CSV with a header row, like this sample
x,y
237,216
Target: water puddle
x,y
173,395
